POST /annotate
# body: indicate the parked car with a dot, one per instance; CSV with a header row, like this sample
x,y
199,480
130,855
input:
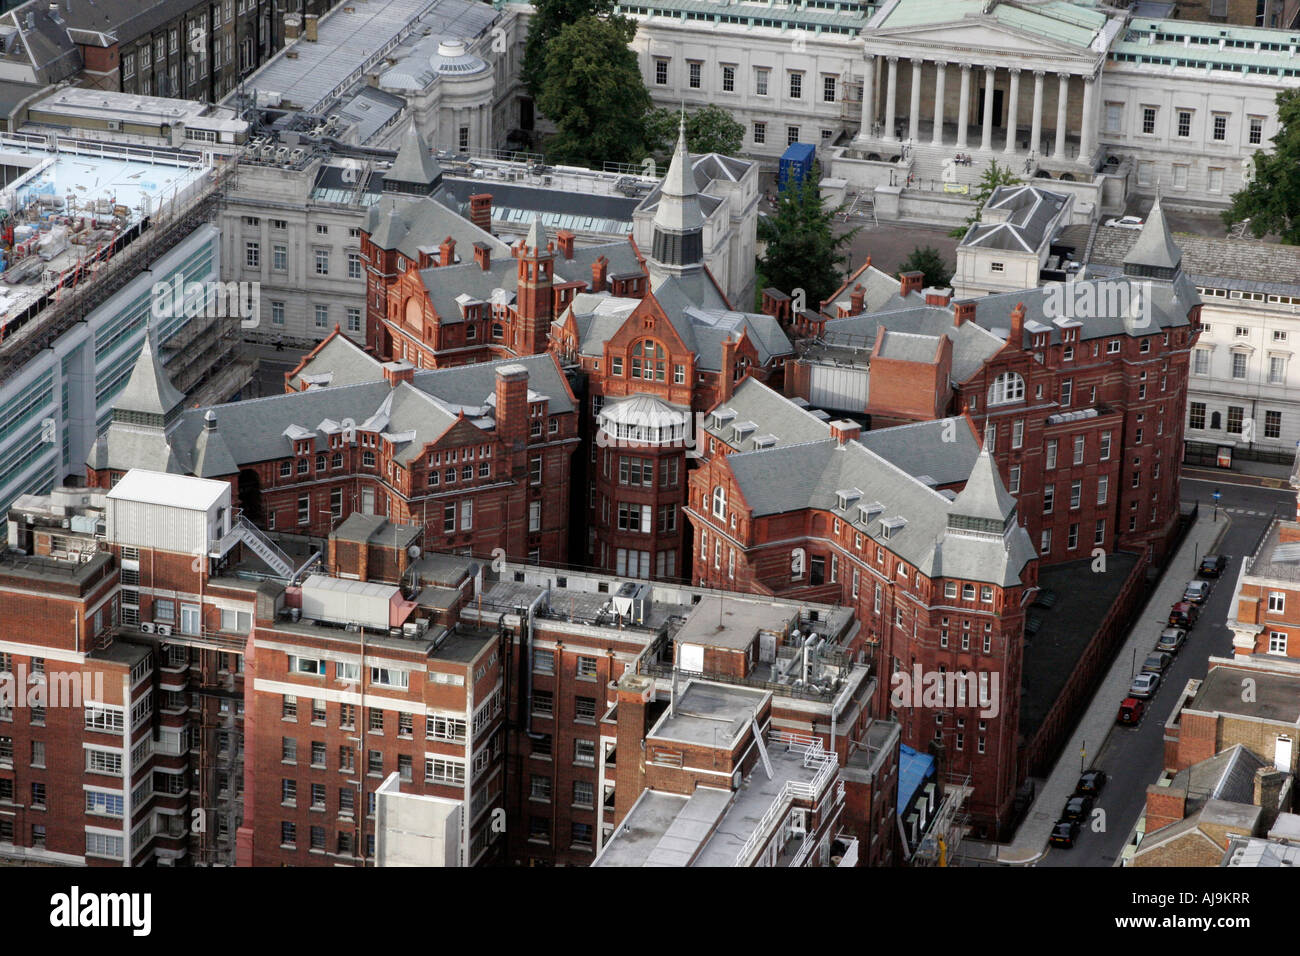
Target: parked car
x,y
1171,640
1144,685
1090,784
1156,662
1077,808
1213,565
1196,592
1064,833
1130,711
1126,222
1184,615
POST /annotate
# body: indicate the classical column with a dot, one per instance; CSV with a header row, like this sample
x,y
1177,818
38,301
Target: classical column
x,y
940,68
1062,100
868,97
963,112
1013,114
1088,129
914,108
986,141
891,99
1036,134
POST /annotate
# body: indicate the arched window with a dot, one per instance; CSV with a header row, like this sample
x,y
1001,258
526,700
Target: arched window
x,y
498,331
648,361
719,502
1006,388
414,315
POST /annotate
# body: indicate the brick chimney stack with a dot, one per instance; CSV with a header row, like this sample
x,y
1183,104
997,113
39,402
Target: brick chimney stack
x,y
962,312
777,304
1016,336
939,297
910,282
447,252
857,300
844,430
483,255
512,405
564,239
599,268
398,372
480,211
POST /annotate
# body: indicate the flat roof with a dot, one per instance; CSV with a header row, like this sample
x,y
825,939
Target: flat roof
x,y
174,491
665,829
709,715
1277,695
353,37
720,622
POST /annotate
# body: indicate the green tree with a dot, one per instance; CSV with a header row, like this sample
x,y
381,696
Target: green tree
x,y
549,18
708,130
1271,201
928,260
994,176
803,250
592,91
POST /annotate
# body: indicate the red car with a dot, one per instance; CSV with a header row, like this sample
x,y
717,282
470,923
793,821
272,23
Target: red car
x,y
1130,710
1183,614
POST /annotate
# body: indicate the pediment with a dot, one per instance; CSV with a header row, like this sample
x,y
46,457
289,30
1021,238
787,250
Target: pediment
x,y
975,34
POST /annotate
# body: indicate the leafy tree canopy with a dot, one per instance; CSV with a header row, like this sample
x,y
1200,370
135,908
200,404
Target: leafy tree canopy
x,y
708,130
549,18
593,92
1271,201
803,249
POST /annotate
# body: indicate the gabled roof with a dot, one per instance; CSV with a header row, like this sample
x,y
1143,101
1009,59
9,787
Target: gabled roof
x,y
212,458
1030,214
810,475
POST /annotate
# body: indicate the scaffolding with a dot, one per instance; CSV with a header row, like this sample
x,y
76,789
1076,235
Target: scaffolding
x,y
951,822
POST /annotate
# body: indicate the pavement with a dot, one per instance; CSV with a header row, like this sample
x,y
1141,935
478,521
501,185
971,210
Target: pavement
x,y
1093,729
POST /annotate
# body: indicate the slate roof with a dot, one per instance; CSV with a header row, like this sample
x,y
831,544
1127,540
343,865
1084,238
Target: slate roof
x,y
405,223
149,389
775,415
944,449
259,429
810,475
337,361
414,162
972,344
1243,264
678,207
1032,212
1229,776
1155,246
702,330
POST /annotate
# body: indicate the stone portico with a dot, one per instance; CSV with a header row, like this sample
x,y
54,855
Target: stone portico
x,y
1006,81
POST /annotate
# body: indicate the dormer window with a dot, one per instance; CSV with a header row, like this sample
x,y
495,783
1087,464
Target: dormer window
x,y
846,497
868,512
890,527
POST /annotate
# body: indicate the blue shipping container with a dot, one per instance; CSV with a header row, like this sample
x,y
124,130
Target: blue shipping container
x,y
796,164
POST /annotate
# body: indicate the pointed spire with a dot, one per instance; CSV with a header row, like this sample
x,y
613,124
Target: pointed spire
x,y
536,239
414,170
678,221
148,390
984,495
1155,247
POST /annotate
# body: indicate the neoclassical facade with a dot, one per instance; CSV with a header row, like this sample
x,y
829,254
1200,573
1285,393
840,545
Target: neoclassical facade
x,y
1014,82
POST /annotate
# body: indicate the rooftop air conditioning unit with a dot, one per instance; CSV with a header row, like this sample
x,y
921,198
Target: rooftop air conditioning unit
x,y
147,627
114,125
165,630
798,823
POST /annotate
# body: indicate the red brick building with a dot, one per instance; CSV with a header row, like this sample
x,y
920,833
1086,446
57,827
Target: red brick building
x,y
1078,388
1265,616
477,456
